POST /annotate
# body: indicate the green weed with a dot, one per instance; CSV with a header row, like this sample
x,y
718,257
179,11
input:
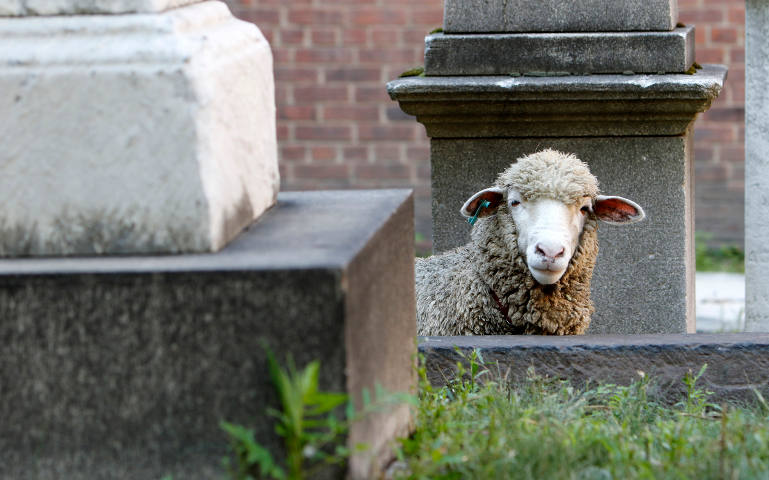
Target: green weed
x,y
311,432
313,435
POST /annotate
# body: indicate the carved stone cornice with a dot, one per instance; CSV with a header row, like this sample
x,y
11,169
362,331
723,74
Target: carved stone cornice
x,y
567,106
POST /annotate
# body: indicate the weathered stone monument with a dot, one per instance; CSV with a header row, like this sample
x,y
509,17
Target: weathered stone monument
x,y
148,127
756,166
612,81
130,126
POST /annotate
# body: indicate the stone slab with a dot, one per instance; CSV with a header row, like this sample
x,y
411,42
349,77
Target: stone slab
x,y
643,281
123,367
559,53
478,16
756,166
147,133
86,7
584,105
737,363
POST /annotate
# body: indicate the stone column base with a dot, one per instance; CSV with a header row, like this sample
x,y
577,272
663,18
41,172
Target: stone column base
x,y
123,367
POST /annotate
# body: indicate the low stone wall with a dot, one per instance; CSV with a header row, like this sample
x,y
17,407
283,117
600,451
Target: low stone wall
x,y
737,363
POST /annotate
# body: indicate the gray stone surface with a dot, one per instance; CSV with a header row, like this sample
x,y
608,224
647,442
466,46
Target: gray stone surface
x,y
593,105
640,281
560,53
463,16
737,363
757,165
123,367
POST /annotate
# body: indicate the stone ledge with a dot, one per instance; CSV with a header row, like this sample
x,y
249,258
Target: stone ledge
x,y
574,53
585,105
476,16
737,363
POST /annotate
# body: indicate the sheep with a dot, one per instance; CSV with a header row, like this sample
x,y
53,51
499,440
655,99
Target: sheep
x,y
528,265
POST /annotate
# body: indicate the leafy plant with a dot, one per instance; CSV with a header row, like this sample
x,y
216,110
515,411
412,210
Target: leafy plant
x,y
313,436
306,422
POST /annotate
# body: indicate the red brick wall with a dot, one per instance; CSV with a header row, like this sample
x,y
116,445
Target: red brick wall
x,y
337,127
719,133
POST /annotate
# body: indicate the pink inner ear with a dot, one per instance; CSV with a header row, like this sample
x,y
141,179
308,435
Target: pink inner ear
x,y
493,198
614,209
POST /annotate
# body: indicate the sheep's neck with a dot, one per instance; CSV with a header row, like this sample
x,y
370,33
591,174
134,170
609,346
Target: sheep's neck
x,y
561,308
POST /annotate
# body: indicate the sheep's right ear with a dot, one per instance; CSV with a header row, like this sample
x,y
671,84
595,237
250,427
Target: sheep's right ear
x,y
494,195
617,210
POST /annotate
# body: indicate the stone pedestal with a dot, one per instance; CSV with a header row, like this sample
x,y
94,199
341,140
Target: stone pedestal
x,y
756,166
123,367
149,129
633,130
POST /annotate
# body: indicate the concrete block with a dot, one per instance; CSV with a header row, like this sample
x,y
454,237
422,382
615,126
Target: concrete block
x,y
138,133
560,53
756,166
82,7
478,16
640,265
737,363
122,367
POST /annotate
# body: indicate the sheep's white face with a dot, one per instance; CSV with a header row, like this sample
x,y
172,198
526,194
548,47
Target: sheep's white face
x,y
548,233
549,230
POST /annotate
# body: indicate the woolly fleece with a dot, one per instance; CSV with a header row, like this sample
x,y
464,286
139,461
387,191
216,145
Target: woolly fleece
x,y
454,289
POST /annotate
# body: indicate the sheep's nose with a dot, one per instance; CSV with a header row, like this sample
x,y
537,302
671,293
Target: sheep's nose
x,y
551,251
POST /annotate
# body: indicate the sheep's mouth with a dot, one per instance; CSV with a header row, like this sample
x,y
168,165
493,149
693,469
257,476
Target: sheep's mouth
x,y
548,275
548,269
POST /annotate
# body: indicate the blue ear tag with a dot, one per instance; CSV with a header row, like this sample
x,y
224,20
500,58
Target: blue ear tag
x,y
484,204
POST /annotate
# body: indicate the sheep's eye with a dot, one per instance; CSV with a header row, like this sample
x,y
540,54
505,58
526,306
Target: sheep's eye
x,y
585,210
514,203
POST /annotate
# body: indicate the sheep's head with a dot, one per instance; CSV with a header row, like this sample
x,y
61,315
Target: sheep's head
x,y
549,196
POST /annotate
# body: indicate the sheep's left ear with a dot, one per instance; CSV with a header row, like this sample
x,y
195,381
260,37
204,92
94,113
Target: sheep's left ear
x,y
617,210
494,195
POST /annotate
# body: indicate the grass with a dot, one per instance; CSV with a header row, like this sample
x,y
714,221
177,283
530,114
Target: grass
x,y
481,426
546,428
725,258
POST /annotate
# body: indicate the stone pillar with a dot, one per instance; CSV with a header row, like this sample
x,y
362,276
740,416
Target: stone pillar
x,y
130,126
616,84
756,165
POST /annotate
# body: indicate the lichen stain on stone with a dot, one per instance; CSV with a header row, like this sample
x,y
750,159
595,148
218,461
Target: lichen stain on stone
x,y
18,240
97,232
